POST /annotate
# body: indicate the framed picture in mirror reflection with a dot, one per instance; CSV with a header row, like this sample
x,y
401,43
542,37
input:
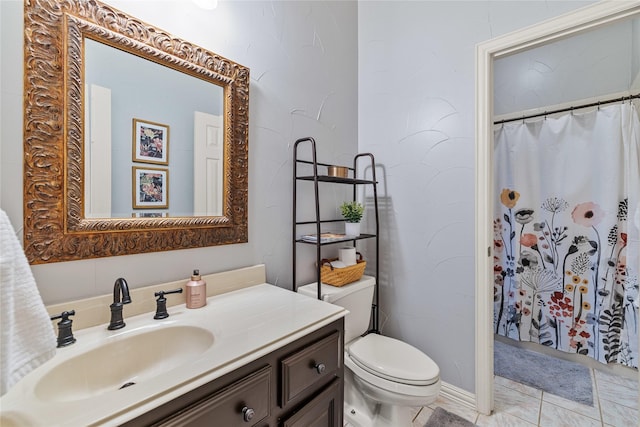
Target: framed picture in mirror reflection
x,y
150,142
153,214
150,188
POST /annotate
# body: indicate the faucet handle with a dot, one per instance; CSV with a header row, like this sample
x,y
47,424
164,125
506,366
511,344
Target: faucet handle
x,y
161,303
65,334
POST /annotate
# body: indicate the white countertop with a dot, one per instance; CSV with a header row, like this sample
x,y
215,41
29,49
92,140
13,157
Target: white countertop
x,y
247,324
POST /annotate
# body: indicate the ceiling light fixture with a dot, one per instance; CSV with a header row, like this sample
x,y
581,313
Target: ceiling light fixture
x,y
206,4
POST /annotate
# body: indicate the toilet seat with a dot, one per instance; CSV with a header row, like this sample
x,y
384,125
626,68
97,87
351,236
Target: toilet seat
x,y
393,360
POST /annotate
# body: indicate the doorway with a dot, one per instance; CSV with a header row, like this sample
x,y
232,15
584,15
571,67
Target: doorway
x,y
562,27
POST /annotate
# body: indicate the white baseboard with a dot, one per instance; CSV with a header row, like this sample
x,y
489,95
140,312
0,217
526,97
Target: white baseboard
x,y
458,395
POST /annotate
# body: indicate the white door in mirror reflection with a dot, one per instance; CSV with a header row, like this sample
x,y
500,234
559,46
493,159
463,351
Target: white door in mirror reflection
x,y
97,184
207,164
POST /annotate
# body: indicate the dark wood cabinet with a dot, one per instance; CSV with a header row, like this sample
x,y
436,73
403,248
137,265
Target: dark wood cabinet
x,y
322,411
309,366
245,402
297,385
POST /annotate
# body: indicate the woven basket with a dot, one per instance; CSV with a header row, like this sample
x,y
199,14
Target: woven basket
x,y
341,276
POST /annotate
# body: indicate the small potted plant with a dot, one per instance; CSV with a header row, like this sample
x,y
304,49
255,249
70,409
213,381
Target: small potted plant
x,y
352,213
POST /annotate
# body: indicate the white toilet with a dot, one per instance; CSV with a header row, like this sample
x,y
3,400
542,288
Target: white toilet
x,y
385,377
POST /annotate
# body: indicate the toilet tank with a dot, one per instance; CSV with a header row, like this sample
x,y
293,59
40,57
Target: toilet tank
x,y
355,297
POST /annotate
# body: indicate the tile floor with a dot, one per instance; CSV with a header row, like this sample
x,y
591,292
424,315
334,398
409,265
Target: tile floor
x,y
517,405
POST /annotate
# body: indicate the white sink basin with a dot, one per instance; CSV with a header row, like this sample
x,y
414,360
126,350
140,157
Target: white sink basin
x,y
123,361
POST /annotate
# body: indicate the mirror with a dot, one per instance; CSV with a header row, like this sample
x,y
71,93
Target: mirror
x,y
88,127
186,112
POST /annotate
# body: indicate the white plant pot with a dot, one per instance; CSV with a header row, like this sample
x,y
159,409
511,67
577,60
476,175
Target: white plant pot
x,y
352,229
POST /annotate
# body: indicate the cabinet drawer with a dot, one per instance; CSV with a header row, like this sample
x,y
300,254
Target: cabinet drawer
x,y
322,411
306,368
244,403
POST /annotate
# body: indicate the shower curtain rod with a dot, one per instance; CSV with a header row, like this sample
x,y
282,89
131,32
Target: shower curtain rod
x,y
562,110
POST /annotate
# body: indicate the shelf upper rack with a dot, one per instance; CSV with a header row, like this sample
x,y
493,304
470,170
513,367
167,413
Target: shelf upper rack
x,y
336,179
345,239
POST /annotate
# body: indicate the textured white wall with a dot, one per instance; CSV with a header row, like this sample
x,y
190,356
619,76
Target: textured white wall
x,y
596,63
303,61
635,46
416,115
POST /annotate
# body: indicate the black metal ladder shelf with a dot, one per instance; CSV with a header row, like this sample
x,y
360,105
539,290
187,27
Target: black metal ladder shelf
x,y
317,178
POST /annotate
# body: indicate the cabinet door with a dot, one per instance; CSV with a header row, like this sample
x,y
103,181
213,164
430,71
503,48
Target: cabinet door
x,y
310,367
246,402
322,411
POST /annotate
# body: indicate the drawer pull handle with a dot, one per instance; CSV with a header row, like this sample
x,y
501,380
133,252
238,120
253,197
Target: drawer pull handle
x,y
247,414
320,368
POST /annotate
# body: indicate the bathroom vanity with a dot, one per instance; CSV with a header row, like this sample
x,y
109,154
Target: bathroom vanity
x,y
257,356
297,385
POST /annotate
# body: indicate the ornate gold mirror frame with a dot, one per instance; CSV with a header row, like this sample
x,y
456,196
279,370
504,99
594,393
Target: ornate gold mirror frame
x,y
55,228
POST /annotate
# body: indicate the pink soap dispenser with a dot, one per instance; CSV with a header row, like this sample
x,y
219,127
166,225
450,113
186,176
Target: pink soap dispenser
x,y
196,291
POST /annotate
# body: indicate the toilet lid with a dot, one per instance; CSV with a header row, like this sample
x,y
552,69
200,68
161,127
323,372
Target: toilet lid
x,y
394,360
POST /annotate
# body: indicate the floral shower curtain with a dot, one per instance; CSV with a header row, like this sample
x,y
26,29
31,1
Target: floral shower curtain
x,y
566,247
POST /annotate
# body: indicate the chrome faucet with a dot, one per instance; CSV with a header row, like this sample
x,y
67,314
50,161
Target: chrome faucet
x,y
120,290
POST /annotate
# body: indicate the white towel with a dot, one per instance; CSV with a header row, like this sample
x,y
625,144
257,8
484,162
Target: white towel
x,y
27,336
